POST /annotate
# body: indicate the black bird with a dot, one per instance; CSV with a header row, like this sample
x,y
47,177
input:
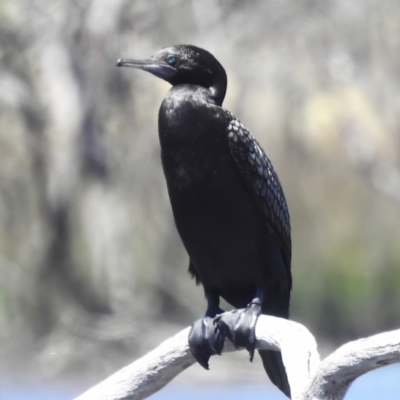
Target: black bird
x,y
227,201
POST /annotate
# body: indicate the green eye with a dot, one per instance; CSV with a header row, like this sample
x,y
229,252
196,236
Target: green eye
x,y
171,60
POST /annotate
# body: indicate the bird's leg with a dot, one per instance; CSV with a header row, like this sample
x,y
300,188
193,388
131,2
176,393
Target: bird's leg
x,y
205,337
240,327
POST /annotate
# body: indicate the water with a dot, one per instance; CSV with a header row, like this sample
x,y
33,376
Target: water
x,y
34,393
383,383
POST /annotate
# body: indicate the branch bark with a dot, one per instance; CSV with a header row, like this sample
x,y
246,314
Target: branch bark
x,y
309,378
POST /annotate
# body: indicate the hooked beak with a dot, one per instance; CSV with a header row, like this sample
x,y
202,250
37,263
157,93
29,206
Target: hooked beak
x,y
156,67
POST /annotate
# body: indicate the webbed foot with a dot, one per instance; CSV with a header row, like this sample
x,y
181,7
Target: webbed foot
x,y
205,339
240,327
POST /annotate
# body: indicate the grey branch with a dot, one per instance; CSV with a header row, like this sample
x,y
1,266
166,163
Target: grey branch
x,y
309,378
338,371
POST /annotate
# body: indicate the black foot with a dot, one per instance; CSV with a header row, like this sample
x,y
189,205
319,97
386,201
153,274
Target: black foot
x,y
205,339
240,327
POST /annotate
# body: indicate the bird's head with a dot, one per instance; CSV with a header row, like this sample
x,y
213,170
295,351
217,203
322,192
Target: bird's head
x,y
185,64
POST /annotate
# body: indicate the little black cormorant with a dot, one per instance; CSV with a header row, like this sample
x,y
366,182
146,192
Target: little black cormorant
x,y
227,201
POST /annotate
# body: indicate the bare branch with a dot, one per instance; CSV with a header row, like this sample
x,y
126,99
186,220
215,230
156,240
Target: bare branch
x,y
308,378
154,370
338,371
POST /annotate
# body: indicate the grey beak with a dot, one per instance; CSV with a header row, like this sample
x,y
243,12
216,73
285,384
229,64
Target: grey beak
x,y
155,67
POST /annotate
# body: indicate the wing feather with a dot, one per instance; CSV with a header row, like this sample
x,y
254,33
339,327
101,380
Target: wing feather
x,y
262,181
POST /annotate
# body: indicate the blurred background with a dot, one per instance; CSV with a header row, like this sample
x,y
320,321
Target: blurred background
x,y
92,271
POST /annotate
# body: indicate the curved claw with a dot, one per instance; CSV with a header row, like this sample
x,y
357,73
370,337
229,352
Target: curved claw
x,y
205,340
240,327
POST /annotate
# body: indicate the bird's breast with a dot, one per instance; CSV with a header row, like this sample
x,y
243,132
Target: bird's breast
x,y
192,136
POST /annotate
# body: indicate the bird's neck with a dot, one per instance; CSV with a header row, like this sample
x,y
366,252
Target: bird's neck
x,y
189,120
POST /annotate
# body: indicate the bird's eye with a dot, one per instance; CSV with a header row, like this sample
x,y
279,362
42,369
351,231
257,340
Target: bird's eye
x,y
171,60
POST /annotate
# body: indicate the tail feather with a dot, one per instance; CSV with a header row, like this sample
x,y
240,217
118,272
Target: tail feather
x,y
273,365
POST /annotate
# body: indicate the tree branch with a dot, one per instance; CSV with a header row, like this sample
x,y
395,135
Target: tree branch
x,y
308,378
339,370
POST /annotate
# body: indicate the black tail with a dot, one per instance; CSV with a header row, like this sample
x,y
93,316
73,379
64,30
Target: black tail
x,y
275,369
